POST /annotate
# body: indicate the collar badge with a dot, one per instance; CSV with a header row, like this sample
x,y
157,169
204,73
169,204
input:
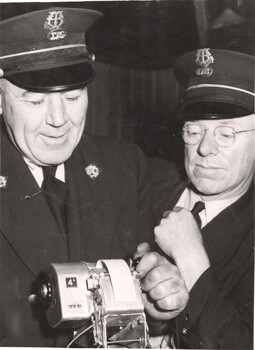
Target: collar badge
x,y
92,171
54,22
3,181
203,60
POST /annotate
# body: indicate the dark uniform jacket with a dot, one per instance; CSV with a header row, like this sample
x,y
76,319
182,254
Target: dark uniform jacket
x,y
219,314
107,217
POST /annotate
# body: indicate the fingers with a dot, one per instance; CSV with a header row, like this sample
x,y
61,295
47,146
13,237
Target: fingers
x,y
177,232
167,287
157,274
148,262
141,250
166,300
166,213
177,209
170,302
162,236
164,291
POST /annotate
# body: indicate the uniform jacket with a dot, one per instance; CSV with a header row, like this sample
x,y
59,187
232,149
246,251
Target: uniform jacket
x,y
107,217
219,313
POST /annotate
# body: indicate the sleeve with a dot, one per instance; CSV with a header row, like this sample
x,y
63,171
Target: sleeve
x,y
134,219
216,318
145,219
166,181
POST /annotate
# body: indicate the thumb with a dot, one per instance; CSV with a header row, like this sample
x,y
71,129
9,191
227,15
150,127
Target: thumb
x,y
142,249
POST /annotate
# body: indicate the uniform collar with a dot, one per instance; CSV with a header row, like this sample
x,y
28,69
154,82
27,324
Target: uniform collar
x,y
36,171
212,208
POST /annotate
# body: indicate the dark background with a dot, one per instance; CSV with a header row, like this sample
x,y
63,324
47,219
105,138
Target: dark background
x,y
135,96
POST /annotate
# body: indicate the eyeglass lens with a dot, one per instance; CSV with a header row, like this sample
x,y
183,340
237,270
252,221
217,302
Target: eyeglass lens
x,y
224,135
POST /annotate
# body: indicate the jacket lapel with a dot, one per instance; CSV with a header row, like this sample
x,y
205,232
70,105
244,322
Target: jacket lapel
x,y
93,203
26,221
228,234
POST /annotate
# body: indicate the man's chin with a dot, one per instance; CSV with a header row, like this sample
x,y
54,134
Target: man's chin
x,y
208,187
51,159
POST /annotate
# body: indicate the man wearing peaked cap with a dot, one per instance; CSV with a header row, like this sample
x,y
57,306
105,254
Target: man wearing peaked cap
x,y
208,222
66,196
36,49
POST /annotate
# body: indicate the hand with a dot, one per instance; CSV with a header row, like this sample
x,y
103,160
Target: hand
x,y
141,249
164,291
179,237
177,231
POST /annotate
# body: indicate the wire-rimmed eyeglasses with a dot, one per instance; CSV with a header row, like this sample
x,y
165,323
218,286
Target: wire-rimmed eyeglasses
x,y
224,135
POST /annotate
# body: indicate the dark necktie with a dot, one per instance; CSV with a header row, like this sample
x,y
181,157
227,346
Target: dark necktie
x,y
198,207
55,192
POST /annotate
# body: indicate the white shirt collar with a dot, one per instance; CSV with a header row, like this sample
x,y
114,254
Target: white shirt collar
x,y
37,172
212,208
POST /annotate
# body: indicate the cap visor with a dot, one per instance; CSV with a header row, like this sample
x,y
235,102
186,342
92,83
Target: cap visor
x,y
55,79
212,110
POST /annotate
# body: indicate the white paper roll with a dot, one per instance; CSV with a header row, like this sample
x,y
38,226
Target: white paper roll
x,y
121,279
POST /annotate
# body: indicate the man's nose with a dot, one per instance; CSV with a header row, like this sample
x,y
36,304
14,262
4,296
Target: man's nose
x,y
208,144
56,110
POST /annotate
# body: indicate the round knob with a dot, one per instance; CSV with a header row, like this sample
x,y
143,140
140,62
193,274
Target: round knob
x,y
44,292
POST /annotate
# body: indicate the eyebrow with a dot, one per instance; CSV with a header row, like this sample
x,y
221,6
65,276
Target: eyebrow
x,y
228,122
31,93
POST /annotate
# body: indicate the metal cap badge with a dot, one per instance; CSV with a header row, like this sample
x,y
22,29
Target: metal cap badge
x,y
203,60
54,23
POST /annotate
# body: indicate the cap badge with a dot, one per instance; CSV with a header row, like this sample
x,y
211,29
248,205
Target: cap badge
x,y
92,171
54,22
3,181
203,59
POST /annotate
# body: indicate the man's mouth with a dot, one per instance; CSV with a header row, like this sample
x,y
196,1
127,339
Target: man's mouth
x,y
58,134
207,171
54,138
208,167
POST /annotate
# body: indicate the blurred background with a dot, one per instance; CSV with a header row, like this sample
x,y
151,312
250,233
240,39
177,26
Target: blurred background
x,y
135,96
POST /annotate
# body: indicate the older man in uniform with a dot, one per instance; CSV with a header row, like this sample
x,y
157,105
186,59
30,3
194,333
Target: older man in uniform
x,y
98,203
213,248
66,196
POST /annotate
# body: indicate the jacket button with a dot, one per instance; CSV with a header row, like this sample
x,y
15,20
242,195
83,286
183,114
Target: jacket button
x,y
187,317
